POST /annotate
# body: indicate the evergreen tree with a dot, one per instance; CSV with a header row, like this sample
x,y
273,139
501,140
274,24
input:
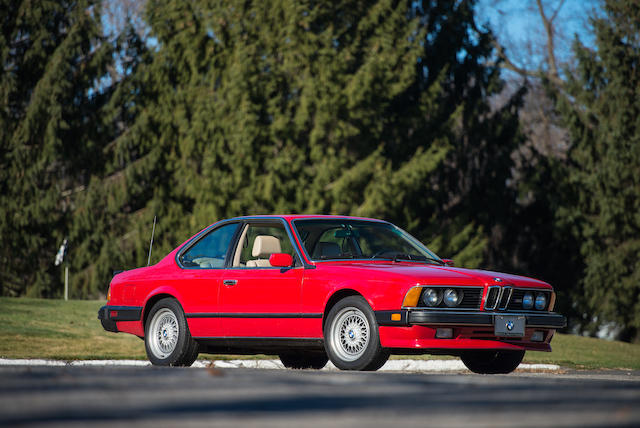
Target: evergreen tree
x,y
50,127
98,224
602,112
347,107
444,156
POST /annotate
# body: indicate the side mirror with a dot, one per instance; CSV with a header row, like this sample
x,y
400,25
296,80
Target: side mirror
x,y
448,262
280,260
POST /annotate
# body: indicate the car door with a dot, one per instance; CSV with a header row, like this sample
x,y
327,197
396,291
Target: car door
x,y
202,264
257,300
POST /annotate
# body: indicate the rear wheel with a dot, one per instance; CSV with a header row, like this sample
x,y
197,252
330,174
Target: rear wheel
x,y
166,336
304,360
492,362
351,336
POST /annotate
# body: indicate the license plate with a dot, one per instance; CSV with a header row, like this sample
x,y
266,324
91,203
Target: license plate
x,y
509,325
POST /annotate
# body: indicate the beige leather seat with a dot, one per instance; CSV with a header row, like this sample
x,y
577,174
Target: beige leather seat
x,y
209,262
263,247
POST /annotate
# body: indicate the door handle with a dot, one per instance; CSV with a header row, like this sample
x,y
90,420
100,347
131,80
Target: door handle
x,y
229,281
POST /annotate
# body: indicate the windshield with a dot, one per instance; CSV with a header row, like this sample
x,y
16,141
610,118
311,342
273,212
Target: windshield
x,y
360,239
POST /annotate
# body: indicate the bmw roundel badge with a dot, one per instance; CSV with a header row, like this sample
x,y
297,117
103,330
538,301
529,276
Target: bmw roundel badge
x,y
509,325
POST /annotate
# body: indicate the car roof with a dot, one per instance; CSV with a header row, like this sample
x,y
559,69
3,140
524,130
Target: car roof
x,y
290,217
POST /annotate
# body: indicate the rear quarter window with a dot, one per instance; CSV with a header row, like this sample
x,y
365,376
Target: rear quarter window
x,y
211,250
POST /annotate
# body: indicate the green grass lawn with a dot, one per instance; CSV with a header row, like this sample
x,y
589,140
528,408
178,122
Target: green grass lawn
x,y
42,328
55,329
588,353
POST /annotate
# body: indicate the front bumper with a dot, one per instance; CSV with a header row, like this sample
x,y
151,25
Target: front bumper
x,y
109,315
409,317
415,330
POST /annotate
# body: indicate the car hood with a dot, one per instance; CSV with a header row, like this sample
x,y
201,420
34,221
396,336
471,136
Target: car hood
x,y
436,275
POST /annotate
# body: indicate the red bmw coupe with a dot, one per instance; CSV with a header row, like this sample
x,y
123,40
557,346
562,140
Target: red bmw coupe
x,y
312,288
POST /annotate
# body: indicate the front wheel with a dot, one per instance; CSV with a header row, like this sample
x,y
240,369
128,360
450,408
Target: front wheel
x,y
166,335
492,362
351,336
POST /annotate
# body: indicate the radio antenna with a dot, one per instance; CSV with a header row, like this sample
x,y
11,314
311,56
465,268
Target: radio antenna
x,y
153,231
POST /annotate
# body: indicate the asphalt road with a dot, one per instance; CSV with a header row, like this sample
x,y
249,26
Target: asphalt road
x,y
171,397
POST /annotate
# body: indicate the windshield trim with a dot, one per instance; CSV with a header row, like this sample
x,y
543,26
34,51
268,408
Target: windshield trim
x,y
404,233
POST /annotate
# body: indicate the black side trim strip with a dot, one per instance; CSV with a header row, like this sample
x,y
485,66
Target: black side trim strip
x,y
253,345
120,313
251,315
384,318
317,340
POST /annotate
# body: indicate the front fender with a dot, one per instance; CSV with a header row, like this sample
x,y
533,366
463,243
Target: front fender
x,y
319,292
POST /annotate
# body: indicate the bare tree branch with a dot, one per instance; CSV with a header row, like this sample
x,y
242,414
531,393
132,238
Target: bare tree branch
x,y
553,17
551,73
508,64
551,54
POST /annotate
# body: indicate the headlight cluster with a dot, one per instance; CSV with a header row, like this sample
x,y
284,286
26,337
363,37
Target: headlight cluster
x,y
538,300
433,297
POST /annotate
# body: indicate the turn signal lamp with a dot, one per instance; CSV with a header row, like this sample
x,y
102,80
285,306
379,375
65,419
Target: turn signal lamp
x,y
552,301
412,297
396,317
109,294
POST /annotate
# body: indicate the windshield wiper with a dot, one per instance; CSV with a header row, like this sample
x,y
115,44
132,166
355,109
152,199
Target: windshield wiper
x,y
341,256
414,257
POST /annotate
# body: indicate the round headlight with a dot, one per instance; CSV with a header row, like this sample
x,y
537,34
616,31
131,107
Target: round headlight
x,y
452,297
432,297
541,301
527,301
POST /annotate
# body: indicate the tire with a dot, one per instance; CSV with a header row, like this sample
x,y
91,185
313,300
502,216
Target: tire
x,y
304,360
166,335
492,362
351,336
192,354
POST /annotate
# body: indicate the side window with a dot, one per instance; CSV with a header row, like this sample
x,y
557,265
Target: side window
x,y
273,239
210,251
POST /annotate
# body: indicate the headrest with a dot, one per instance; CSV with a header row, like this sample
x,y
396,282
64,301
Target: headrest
x,y
265,245
327,250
